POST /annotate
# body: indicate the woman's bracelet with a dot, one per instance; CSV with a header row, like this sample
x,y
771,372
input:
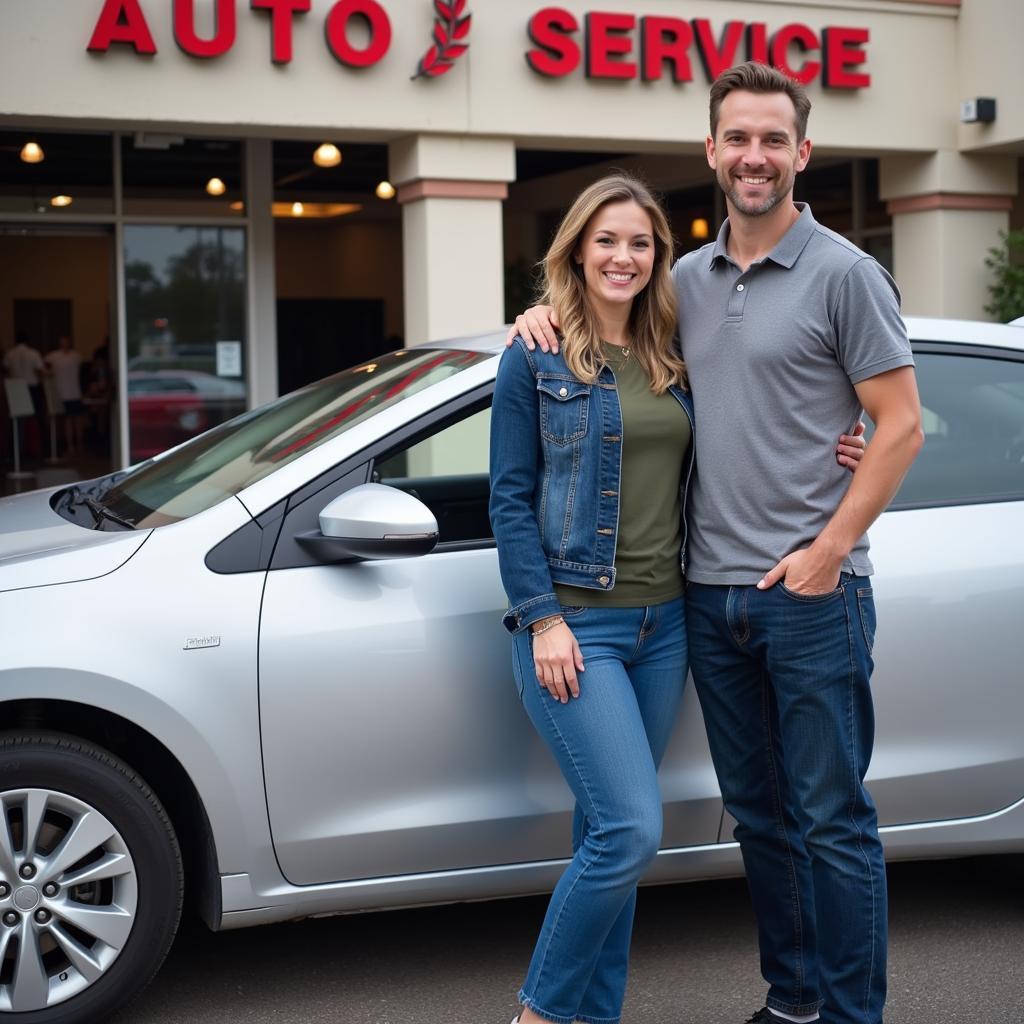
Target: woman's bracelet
x,y
550,624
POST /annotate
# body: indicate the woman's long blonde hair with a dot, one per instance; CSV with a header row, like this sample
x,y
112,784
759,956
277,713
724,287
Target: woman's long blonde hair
x,y
652,320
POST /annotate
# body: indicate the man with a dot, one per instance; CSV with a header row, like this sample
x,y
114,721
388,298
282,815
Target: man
x,y
23,362
786,323
65,363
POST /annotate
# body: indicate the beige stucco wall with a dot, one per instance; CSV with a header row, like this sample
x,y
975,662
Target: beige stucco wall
x,y
47,73
75,268
989,64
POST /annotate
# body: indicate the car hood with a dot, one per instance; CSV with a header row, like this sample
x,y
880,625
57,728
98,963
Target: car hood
x,y
38,548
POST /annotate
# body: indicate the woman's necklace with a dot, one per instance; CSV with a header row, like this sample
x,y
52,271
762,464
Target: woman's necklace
x,y
617,364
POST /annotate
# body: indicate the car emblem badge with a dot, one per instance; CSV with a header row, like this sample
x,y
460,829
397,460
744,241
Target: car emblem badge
x,y
194,643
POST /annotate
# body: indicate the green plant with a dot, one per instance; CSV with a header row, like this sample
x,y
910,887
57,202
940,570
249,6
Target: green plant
x,y
1007,263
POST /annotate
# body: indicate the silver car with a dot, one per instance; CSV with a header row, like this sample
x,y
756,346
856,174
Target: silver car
x,y
265,672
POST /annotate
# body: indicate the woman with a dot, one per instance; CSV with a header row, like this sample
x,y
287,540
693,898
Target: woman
x,y
590,455
590,460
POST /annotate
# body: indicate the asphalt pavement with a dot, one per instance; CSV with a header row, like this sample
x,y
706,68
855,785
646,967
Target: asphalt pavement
x,y
956,957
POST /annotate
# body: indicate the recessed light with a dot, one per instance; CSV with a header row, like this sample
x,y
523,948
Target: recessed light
x,y
61,201
32,153
385,190
216,187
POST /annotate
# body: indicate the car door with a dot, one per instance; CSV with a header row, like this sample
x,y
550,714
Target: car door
x,y
394,741
949,588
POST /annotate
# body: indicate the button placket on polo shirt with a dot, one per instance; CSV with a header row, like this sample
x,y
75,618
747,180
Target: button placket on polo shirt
x,y
738,296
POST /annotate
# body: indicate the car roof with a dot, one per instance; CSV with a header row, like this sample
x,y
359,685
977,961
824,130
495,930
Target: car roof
x,y
968,332
492,341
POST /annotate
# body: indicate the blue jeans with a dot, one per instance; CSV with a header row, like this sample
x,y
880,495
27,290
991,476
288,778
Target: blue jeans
x,y
608,743
784,684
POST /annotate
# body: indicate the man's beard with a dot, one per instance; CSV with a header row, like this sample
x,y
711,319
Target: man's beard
x,y
754,208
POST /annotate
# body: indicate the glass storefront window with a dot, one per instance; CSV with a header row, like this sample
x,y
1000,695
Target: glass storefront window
x,y
185,323
56,175
172,176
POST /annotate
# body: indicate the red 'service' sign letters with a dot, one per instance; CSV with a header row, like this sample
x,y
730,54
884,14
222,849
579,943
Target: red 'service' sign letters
x,y
624,46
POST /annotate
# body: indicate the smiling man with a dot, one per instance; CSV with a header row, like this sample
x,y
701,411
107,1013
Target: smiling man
x,y
788,331
784,322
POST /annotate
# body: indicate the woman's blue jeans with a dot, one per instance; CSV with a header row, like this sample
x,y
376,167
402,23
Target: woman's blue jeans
x,y
608,743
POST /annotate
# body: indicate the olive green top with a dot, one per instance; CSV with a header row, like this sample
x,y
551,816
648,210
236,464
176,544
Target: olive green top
x,y
655,439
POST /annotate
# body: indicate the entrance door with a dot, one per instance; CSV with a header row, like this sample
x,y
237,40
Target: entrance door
x,y
185,326
59,281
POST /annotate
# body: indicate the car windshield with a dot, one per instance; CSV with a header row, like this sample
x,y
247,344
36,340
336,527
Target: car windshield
x,y
232,456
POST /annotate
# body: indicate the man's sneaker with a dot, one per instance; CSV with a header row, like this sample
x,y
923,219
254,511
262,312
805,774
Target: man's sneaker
x,y
763,1016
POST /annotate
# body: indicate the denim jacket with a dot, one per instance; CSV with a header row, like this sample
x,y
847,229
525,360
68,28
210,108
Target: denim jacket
x,y
556,452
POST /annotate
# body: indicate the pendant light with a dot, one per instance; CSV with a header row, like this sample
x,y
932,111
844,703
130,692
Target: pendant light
x,y
327,155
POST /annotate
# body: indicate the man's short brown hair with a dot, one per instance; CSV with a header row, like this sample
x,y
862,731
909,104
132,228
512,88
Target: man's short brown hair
x,y
756,77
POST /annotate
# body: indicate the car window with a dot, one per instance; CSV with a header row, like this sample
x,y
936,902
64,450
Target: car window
x,y
448,471
234,455
973,418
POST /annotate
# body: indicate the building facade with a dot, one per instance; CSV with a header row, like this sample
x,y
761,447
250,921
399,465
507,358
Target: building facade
x,y
179,229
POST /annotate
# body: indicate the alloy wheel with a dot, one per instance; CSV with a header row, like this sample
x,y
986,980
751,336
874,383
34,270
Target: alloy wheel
x,y
68,897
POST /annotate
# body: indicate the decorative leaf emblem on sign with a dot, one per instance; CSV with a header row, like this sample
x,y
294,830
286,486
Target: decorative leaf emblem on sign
x,y
451,27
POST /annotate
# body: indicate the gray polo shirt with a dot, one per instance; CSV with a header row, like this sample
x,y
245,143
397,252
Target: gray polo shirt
x,y
773,355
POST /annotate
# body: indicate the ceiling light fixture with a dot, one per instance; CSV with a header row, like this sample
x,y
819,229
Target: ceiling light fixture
x,y
385,190
32,153
61,201
310,211
216,187
699,228
327,155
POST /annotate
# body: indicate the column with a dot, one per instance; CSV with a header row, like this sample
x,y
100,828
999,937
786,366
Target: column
x,y
451,189
947,210
260,281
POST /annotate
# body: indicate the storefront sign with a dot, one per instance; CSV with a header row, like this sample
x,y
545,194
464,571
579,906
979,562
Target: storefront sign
x,y
608,44
623,46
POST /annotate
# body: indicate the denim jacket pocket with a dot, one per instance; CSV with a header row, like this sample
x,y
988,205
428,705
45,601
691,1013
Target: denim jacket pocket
x,y
564,409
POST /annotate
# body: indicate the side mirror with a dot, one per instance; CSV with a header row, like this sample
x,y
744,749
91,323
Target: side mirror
x,y
372,521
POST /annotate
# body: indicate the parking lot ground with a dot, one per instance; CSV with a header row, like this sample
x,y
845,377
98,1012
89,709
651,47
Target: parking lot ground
x,y
957,957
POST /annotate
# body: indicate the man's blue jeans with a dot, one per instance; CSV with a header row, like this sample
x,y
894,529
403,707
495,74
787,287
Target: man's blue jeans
x,y
784,684
608,743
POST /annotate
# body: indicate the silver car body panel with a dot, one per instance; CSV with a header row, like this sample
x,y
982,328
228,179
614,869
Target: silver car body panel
x,y
353,791
39,549
200,704
244,905
344,665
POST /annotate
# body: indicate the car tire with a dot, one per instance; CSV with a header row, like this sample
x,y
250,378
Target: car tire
x,y
73,813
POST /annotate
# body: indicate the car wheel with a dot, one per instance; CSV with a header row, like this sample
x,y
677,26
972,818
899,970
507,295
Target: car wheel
x,y
90,881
